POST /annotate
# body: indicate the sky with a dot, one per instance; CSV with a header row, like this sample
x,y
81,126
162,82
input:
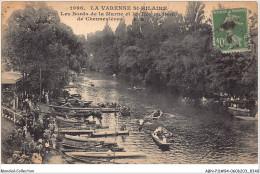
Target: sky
x,y
86,27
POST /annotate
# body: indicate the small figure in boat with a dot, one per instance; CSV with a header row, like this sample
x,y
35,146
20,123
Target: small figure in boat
x,y
164,139
141,124
123,127
157,114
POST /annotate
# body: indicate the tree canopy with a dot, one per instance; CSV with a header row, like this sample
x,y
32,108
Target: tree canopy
x,y
177,51
36,39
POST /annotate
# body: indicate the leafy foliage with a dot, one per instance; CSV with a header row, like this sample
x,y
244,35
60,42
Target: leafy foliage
x,y
177,52
36,39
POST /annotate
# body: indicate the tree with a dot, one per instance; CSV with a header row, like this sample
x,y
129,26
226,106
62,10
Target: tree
x,y
121,38
177,51
194,14
36,40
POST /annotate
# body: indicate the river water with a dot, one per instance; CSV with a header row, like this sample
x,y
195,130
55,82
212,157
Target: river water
x,y
201,134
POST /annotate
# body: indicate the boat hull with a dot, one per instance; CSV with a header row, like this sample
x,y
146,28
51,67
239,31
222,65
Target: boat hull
x,y
154,117
103,110
87,139
75,131
69,120
106,154
110,133
246,118
160,142
78,138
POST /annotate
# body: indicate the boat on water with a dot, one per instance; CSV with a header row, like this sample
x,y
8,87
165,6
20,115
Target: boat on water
x,y
108,154
247,118
125,111
88,139
72,114
161,142
239,109
100,148
77,96
76,131
73,150
110,133
81,138
156,114
69,86
77,109
72,146
73,102
70,120
137,88
160,135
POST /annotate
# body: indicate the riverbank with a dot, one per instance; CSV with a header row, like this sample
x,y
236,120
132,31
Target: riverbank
x,y
190,97
203,133
19,147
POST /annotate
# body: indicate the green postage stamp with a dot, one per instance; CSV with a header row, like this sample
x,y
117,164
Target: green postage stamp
x,y
231,30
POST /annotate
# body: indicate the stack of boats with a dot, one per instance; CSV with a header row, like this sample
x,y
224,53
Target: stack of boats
x,y
81,135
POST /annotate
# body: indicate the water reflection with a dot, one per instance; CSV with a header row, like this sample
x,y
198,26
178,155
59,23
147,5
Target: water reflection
x,y
202,133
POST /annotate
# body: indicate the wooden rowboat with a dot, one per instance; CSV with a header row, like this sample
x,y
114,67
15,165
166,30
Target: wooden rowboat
x,y
159,142
104,110
95,149
239,109
88,139
81,138
246,118
108,154
75,131
154,116
71,146
70,120
109,133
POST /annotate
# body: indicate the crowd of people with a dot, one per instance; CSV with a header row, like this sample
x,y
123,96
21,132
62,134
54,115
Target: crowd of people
x,y
36,134
30,144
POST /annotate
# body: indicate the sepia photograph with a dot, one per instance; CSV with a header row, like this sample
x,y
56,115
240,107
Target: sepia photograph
x,y
129,82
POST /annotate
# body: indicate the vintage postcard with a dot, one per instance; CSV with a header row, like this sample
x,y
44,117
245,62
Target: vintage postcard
x,y
129,82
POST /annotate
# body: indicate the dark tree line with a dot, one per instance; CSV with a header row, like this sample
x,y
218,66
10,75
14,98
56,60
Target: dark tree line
x,y
176,51
36,41
172,51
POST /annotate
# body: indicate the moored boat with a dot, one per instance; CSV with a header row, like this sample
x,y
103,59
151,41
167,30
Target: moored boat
x,y
70,120
93,149
247,118
75,131
109,133
103,110
72,146
239,109
77,96
88,139
81,138
69,86
108,154
125,111
156,114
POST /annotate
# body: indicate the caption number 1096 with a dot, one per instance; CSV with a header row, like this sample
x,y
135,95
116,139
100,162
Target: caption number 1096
x,y
220,42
